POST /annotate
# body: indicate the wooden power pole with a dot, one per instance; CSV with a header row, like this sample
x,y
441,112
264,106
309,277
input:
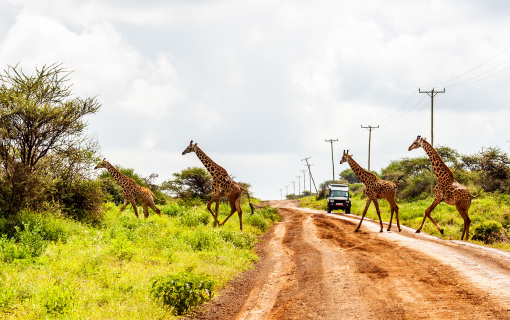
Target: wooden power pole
x,y
304,179
299,185
310,174
431,94
370,128
332,162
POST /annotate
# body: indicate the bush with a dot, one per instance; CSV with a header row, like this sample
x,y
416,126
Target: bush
x,y
239,240
489,232
182,291
58,300
195,218
270,213
257,220
173,210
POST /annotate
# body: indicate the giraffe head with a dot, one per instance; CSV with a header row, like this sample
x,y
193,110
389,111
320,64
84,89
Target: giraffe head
x,y
101,164
191,148
418,143
345,157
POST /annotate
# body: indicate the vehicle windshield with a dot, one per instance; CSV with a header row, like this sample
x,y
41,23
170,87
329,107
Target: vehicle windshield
x,y
338,193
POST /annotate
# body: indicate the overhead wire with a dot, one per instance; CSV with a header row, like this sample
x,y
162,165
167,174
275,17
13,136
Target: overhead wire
x,y
469,70
449,86
458,85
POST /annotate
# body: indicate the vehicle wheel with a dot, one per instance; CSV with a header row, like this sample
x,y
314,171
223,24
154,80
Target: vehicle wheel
x,y
329,209
348,210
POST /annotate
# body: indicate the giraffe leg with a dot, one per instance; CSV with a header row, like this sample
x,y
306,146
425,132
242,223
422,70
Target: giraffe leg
x,y
364,213
462,208
427,214
133,204
145,210
394,208
233,208
124,205
215,198
154,208
240,213
376,203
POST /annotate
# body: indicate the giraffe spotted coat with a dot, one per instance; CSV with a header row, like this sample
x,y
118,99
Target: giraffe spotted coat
x,y
222,184
375,188
132,192
447,188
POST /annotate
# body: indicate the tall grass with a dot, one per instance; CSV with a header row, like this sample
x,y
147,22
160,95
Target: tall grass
x,y
487,207
54,267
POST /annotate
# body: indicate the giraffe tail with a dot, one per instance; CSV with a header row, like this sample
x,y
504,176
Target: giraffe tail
x,y
155,196
472,196
252,207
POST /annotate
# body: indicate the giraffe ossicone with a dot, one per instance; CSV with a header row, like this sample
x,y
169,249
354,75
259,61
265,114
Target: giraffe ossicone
x,y
375,188
131,191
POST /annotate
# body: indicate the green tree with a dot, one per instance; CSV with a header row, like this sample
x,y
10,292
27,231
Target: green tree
x,y
349,175
192,182
41,124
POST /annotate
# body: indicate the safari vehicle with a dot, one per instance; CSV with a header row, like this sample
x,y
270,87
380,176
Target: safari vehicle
x,y
339,198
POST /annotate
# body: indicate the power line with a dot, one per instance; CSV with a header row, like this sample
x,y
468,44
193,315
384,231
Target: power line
x,y
469,70
392,124
454,86
480,74
398,108
406,112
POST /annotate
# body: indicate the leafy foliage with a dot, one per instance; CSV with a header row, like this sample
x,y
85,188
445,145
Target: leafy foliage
x,y
182,291
489,231
41,128
192,182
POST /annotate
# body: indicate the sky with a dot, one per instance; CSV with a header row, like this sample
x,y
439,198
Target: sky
x,y
260,85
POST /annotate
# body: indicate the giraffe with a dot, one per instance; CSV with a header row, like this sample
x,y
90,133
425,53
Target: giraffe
x,y
447,188
132,192
222,184
375,188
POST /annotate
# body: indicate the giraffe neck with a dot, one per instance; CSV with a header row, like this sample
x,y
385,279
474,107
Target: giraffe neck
x,y
440,168
211,166
361,173
116,174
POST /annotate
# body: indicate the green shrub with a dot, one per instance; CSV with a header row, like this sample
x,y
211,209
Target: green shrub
x,y
257,220
173,210
200,239
58,300
195,218
489,231
31,239
182,291
190,202
238,239
270,213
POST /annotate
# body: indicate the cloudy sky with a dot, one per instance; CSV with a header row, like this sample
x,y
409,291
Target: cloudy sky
x,y
261,84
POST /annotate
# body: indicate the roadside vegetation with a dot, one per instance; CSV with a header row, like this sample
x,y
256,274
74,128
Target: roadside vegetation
x,y
66,251
488,170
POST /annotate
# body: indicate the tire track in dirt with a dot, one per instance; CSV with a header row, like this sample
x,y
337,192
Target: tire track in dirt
x,y
313,266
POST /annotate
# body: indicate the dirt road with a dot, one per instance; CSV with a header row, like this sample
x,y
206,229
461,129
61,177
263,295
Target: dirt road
x,y
313,266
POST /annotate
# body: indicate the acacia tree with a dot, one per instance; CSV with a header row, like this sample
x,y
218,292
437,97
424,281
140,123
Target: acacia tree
x,y
40,119
192,182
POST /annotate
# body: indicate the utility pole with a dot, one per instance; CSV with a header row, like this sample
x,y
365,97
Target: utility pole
x,y
294,184
332,162
310,173
299,184
370,128
304,179
286,191
431,94
281,197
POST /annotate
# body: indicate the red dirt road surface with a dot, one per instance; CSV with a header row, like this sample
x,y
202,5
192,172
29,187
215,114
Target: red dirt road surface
x,y
313,266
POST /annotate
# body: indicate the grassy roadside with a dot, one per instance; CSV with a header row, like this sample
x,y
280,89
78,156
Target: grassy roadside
x,y
487,207
59,268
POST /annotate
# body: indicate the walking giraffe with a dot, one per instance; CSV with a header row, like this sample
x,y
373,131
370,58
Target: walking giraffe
x,y
375,188
447,188
222,184
131,191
